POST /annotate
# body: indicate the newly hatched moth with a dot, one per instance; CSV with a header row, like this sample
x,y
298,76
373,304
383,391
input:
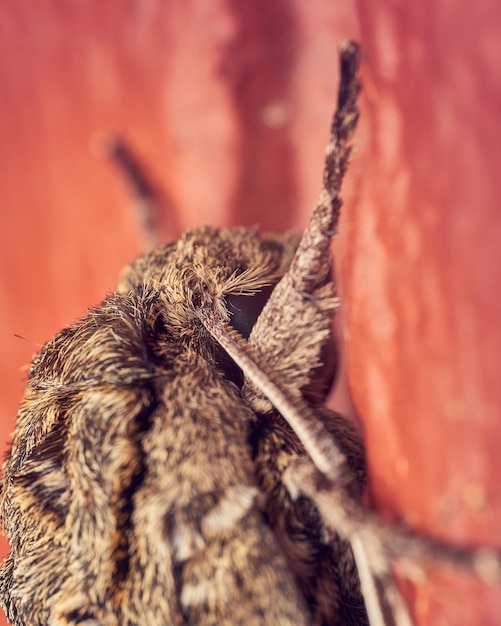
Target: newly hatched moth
x,y
149,478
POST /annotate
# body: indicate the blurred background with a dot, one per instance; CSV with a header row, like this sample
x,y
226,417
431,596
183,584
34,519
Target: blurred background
x,y
227,104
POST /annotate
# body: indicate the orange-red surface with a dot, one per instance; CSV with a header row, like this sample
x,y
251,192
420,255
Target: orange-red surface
x,y
228,103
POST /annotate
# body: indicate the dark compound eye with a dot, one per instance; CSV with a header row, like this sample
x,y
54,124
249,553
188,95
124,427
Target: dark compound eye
x,y
244,310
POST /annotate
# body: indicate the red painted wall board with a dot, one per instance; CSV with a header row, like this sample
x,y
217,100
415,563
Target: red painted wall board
x,y
228,103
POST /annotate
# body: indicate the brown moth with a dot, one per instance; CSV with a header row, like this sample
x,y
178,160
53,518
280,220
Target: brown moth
x,y
154,473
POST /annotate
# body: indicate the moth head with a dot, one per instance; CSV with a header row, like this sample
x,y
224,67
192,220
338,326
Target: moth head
x,y
231,270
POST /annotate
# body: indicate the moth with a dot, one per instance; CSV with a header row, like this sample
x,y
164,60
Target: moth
x,y
145,483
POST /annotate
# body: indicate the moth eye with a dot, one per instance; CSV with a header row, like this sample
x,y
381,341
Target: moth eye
x,y
245,309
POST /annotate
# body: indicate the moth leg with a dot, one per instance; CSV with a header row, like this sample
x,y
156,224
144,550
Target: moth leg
x,y
383,601
346,516
376,544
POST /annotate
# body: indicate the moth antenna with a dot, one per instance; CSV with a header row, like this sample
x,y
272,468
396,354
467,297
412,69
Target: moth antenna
x,y
147,200
311,262
318,443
